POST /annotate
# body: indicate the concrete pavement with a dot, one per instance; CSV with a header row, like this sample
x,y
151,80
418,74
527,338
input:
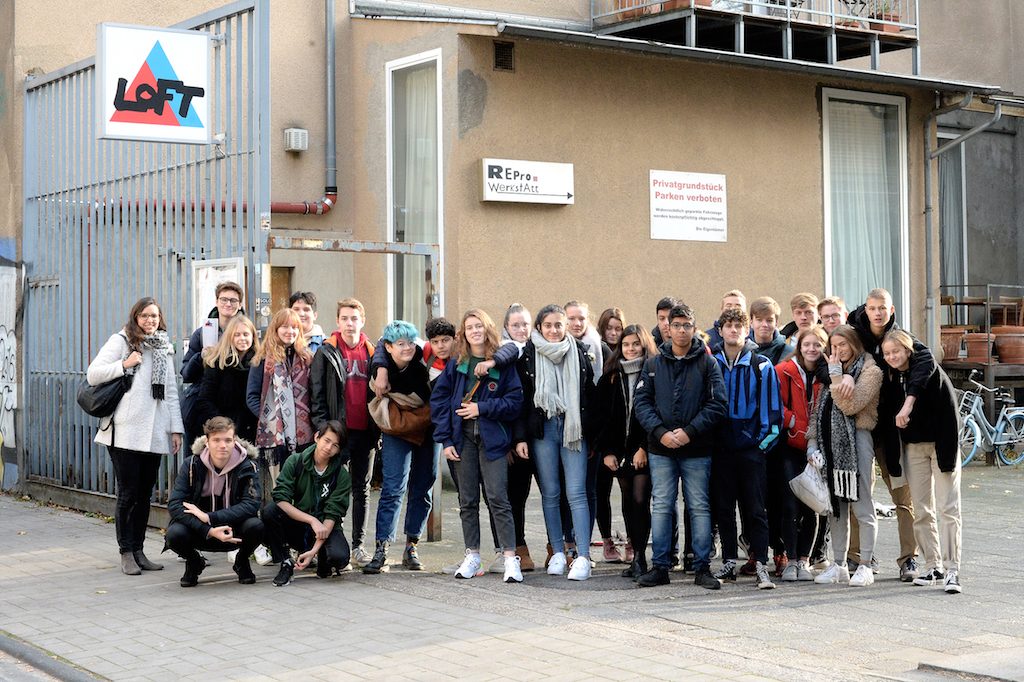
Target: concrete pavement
x,y
62,592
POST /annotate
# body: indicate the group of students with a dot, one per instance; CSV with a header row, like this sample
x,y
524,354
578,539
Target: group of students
x,y
732,414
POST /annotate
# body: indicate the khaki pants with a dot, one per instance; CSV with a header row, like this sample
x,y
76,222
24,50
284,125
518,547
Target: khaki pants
x,y
904,516
935,493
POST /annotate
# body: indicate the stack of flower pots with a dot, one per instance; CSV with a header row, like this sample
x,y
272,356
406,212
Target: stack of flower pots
x,y
978,346
1009,342
952,341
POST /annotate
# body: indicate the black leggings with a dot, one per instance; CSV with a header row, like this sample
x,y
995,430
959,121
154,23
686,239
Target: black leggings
x,y
797,523
520,473
135,475
635,486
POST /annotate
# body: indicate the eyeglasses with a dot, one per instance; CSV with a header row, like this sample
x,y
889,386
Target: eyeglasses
x,y
834,316
228,301
681,326
403,344
149,316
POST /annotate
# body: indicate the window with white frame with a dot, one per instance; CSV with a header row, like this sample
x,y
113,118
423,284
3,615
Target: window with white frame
x,y
953,219
414,183
866,214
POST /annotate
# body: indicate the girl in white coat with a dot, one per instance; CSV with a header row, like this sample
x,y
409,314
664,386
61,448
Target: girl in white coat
x,y
145,426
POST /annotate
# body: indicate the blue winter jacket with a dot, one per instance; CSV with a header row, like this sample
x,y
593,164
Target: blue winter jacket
x,y
684,393
754,417
499,398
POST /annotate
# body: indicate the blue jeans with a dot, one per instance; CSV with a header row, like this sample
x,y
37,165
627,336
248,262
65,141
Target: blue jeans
x,y
695,473
405,465
548,455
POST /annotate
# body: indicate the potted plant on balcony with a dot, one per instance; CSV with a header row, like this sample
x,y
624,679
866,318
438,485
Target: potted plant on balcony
x,y
885,11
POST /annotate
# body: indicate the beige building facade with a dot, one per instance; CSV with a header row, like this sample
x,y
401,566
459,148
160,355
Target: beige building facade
x,y
822,162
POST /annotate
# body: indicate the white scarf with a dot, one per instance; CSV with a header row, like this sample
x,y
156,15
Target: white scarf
x,y
557,390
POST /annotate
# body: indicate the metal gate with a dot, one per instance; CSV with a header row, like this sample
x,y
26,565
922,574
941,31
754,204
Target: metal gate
x,y
107,222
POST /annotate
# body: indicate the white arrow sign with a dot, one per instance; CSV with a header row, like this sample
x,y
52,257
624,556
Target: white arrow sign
x,y
533,182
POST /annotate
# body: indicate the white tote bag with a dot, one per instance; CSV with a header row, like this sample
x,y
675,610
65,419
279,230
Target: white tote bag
x,y
811,489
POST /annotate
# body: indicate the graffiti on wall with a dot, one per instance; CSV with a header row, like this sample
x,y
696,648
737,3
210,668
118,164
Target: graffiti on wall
x,y
8,371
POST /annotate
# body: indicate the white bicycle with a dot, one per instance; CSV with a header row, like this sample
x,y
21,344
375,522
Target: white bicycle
x,y
1006,436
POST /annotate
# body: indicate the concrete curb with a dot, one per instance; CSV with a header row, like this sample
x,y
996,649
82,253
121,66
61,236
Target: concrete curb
x,y
960,674
41,660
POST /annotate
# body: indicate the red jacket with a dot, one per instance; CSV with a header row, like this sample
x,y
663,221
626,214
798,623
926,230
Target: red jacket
x,y
795,406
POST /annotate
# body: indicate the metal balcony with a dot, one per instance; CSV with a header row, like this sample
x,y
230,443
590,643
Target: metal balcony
x,y
820,31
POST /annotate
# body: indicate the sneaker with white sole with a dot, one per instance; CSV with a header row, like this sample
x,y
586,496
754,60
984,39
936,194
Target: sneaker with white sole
x,y
498,565
262,555
360,557
863,577
832,575
513,573
764,581
580,569
556,565
790,574
803,571
470,567
932,577
232,555
952,583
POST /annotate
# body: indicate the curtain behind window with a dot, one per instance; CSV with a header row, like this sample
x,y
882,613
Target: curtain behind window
x,y
415,182
864,160
951,219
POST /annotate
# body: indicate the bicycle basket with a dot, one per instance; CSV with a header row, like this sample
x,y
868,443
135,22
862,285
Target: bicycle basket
x,y
969,401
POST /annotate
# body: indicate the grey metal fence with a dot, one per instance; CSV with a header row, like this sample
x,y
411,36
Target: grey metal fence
x,y
109,221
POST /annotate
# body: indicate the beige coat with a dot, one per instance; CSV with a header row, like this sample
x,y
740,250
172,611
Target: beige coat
x,y
862,405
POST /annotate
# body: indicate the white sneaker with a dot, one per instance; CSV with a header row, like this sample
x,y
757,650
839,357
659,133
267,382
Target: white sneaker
x,y
863,577
556,566
513,574
262,555
232,555
832,575
360,557
580,569
498,565
470,567
764,581
790,574
803,571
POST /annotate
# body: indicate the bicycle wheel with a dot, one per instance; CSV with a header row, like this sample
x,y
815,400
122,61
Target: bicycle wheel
x,y
1012,451
970,440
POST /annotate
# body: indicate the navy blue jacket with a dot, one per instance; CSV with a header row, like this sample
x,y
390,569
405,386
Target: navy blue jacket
x,y
499,398
686,393
754,417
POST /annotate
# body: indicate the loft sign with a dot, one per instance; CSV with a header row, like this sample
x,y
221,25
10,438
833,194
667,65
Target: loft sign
x,y
532,182
153,84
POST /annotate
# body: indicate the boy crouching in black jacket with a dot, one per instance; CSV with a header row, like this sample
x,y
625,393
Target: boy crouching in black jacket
x,y
215,502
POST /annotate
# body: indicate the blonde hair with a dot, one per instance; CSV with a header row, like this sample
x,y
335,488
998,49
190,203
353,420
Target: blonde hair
x,y
901,337
351,303
831,300
491,338
224,354
803,300
734,292
880,294
272,349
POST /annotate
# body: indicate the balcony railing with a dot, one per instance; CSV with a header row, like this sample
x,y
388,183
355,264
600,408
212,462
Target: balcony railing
x,y
886,16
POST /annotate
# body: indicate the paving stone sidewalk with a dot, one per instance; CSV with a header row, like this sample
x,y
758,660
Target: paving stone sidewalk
x,y
61,592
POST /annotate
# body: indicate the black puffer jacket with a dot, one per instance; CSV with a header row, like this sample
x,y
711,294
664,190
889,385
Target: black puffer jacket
x,y
327,376
687,393
243,481
530,425
922,362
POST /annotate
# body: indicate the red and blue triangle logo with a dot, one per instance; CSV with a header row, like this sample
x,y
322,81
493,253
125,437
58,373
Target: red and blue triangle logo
x,y
158,67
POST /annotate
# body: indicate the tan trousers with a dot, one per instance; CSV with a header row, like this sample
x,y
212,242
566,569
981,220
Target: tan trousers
x,y
901,497
934,493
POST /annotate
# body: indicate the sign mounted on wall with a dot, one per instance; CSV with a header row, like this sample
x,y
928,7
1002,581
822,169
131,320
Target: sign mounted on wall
x,y
688,206
532,182
153,84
